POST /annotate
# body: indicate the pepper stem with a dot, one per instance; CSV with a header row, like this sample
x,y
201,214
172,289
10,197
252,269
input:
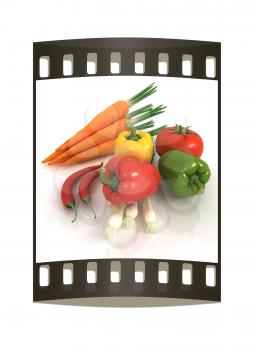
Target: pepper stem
x,y
133,135
112,182
195,179
87,201
71,205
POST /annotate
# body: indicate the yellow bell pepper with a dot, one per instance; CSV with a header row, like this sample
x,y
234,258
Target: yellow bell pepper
x,y
134,143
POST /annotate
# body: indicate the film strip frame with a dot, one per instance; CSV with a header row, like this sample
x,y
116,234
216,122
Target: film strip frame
x,y
127,286
103,286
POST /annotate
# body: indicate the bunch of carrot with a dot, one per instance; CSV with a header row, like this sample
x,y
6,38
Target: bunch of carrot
x,y
97,138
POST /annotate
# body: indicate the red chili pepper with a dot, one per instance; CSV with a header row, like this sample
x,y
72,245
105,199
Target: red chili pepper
x,y
128,179
67,197
84,188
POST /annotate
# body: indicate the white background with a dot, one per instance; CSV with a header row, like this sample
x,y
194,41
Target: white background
x,y
227,325
187,229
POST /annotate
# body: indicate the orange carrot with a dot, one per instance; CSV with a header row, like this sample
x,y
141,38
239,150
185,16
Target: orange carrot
x,y
52,156
101,150
109,133
110,115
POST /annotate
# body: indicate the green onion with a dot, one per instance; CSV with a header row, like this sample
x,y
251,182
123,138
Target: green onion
x,y
148,91
156,131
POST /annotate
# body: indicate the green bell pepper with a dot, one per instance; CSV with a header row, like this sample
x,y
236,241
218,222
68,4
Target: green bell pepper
x,y
185,174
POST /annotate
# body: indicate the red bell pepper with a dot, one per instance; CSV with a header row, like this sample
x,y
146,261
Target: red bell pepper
x,y
128,179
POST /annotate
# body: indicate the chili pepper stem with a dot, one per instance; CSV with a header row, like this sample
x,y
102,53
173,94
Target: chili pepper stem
x,y
72,205
87,201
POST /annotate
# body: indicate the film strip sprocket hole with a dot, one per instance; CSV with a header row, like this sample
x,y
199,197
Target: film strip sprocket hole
x,y
163,65
127,277
123,56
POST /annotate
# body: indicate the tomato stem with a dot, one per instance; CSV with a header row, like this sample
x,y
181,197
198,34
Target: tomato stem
x,y
180,130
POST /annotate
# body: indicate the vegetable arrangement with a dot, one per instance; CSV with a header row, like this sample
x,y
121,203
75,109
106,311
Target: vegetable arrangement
x,y
97,138
129,178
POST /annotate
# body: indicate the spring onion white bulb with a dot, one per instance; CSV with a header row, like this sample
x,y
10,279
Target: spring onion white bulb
x,y
112,208
149,216
131,214
115,222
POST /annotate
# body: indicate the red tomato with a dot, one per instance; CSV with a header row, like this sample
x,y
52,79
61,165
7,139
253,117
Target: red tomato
x,y
180,138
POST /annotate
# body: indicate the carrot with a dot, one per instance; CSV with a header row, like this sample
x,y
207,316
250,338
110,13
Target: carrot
x,y
52,156
111,114
109,133
101,150
107,117
104,135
